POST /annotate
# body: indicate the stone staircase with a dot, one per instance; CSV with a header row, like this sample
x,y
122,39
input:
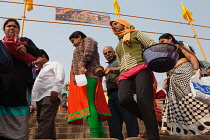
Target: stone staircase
x,y
81,132
69,131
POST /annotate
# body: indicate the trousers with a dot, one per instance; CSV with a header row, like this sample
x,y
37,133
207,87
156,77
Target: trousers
x,y
141,84
94,122
120,115
46,113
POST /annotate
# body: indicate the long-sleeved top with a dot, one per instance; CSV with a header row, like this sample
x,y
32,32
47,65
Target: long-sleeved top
x,y
50,78
129,56
14,85
86,55
111,78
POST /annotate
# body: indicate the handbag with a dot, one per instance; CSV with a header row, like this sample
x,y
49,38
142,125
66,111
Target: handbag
x,y
200,87
6,64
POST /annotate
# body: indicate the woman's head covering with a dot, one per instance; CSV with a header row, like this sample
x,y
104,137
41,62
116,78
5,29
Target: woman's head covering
x,y
128,28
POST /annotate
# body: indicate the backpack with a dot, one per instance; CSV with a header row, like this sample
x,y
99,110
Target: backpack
x,y
6,64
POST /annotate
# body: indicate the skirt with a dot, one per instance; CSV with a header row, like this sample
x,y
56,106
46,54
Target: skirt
x,y
182,113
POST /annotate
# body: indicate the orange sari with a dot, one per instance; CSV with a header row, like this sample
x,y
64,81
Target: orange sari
x,y
78,103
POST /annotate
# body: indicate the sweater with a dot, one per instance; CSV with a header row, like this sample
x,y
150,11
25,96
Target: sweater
x,y
130,56
86,55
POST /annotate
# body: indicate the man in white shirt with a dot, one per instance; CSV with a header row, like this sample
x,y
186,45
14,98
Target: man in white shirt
x,y
47,95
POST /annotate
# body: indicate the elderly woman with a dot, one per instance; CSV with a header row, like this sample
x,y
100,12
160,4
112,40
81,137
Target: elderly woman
x,y
135,77
183,114
14,109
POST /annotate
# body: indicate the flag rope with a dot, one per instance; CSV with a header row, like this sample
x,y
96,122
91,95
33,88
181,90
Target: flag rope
x,y
110,14
23,19
57,22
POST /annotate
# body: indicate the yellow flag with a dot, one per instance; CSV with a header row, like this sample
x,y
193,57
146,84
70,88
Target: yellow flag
x,y
116,7
29,4
187,15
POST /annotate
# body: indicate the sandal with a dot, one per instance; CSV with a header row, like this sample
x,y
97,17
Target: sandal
x,y
143,135
164,133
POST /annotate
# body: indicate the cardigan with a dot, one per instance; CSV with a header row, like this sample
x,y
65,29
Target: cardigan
x,y
86,55
130,55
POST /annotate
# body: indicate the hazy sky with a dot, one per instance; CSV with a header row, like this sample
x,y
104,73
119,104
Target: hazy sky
x,y
54,37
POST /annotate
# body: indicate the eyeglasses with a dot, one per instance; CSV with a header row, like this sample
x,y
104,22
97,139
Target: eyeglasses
x,y
107,52
14,26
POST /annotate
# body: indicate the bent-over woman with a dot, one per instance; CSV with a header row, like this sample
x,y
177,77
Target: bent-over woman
x,y
182,113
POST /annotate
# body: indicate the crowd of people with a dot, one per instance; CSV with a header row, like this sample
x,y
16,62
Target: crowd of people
x,y
131,87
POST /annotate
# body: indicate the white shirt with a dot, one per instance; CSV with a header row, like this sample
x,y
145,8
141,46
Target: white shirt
x,y
50,78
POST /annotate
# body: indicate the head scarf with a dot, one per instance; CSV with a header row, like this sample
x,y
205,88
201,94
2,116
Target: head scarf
x,y
128,28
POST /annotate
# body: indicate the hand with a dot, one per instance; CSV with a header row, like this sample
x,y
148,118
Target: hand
x,y
107,71
82,70
21,50
32,110
74,79
54,95
195,71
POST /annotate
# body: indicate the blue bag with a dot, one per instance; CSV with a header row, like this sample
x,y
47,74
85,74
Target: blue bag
x,y
200,87
6,64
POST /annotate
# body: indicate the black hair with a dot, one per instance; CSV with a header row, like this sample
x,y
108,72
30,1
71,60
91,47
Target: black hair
x,y
11,20
191,48
42,52
64,94
76,34
167,36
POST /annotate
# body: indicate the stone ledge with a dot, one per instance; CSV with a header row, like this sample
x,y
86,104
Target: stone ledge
x,y
198,137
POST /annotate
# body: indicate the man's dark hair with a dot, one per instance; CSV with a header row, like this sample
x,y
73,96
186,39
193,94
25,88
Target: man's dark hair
x,y
76,34
42,52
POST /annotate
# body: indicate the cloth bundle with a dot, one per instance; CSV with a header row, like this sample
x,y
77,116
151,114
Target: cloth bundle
x,y
12,42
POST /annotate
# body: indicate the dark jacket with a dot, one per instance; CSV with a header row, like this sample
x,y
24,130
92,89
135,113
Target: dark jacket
x,y
112,78
14,85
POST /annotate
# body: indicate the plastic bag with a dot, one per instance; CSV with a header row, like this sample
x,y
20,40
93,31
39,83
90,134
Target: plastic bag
x,y
81,80
200,87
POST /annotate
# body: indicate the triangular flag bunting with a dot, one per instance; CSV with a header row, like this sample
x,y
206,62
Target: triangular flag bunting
x,y
29,4
116,7
187,15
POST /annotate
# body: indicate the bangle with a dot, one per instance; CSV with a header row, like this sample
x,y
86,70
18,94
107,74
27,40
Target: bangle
x,y
196,68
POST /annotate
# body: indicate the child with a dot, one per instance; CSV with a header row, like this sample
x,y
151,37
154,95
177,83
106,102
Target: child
x,y
64,102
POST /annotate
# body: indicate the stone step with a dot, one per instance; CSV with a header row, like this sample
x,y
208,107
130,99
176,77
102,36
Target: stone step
x,y
60,117
78,129
199,137
82,139
33,120
69,131
78,135
65,125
